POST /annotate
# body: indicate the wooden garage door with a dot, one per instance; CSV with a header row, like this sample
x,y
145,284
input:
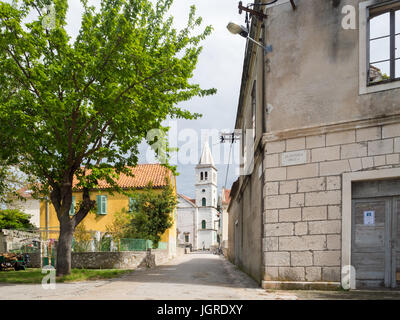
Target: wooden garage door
x,y
370,241
396,267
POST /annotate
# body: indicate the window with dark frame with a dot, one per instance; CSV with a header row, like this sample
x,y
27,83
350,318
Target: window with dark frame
x,y
384,43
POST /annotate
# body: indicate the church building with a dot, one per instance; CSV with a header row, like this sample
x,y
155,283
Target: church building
x,y
198,218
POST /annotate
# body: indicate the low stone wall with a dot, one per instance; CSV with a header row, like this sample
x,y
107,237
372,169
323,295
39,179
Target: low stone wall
x,y
160,256
112,260
108,260
14,239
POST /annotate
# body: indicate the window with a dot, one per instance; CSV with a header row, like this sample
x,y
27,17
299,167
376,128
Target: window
x,y
203,202
101,204
203,224
201,175
204,190
383,40
205,175
72,210
254,108
132,204
186,237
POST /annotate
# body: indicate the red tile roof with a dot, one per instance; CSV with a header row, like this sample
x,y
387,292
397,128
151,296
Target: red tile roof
x,y
143,175
187,198
25,192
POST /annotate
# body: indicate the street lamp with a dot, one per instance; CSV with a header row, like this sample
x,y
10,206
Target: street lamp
x,y
242,31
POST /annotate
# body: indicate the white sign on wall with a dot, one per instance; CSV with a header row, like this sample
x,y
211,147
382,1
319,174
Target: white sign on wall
x,y
294,157
369,217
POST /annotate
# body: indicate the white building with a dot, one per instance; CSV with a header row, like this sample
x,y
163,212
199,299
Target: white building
x,y
198,218
29,205
224,218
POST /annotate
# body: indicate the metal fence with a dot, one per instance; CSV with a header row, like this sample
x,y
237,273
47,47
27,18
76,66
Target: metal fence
x,y
45,241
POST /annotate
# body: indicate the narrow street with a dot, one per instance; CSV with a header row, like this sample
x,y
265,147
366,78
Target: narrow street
x,y
193,276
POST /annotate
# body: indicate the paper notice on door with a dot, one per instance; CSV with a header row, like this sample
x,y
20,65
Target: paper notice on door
x,y
369,217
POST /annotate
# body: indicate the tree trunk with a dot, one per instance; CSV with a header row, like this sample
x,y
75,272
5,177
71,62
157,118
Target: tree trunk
x,y
64,248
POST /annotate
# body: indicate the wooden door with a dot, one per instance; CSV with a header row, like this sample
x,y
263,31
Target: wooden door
x,y
396,244
371,241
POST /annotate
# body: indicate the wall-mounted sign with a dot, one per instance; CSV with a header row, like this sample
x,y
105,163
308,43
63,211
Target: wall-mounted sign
x,y
369,217
294,157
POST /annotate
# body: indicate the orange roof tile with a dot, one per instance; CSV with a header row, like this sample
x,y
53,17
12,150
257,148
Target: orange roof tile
x,y
187,198
143,175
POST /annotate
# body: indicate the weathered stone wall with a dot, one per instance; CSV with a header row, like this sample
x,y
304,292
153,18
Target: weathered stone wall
x,y
313,71
161,256
14,239
303,203
108,260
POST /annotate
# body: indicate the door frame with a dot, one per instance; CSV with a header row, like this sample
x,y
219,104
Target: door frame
x,y
347,179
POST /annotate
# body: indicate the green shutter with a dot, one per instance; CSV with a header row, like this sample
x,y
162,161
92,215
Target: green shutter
x,y
98,201
72,209
104,205
131,204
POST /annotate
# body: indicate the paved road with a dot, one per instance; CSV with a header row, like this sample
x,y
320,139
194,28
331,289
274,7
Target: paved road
x,y
192,276
198,276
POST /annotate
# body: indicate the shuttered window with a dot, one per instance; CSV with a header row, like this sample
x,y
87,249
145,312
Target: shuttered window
x,y
132,204
101,204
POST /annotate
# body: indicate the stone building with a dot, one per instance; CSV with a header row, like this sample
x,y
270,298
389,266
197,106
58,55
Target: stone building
x,y
224,200
187,213
321,206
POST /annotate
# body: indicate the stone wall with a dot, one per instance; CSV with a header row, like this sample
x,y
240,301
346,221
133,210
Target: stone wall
x,y
113,260
108,260
303,203
14,239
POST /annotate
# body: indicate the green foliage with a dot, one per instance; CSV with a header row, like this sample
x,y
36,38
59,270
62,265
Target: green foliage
x,y
15,219
67,104
153,216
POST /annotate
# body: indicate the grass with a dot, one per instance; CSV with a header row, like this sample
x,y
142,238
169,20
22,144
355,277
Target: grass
x,y
33,275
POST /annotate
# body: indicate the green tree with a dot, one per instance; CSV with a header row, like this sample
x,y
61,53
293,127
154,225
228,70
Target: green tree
x,y
151,217
81,108
10,182
15,219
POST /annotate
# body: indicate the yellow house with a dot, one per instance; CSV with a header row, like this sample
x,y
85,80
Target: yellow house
x,y
108,204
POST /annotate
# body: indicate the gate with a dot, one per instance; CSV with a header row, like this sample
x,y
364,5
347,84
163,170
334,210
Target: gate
x,y
376,233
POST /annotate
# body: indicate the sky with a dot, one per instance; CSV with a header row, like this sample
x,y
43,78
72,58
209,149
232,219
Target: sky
x,y
219,66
